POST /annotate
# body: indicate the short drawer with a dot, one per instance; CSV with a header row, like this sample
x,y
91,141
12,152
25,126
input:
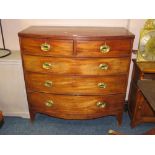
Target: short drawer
x,y
46,47
76,84
99,66
76,107
105,48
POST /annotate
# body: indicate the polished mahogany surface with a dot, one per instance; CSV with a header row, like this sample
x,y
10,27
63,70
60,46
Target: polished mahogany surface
x,y
76,72
75,32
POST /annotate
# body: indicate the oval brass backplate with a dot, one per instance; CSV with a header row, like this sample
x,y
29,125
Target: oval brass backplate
x,y
45,47
49,103
102,85
104,48
47,65
103,66
48,83
101,104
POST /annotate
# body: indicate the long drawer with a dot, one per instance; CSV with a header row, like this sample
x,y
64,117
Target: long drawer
x,y
76,107
104,48
46,47
76,84
98,66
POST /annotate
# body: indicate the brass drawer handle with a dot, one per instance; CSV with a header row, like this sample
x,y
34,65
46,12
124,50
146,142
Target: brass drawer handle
x,y
45,47
104,48
47,65
49,103
103,66
101,104
48,83
102,85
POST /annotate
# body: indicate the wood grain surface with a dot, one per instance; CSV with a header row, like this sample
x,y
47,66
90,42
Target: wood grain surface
x,y
32,46
79,107
77,66
76,32
118,48
76,84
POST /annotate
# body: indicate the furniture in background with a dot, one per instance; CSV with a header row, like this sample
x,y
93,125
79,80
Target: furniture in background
x,y
140,109
3,51
147,92
13,100
76,72
1,119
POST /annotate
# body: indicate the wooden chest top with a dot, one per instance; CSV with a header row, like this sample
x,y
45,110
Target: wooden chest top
x,y
76,32
146,67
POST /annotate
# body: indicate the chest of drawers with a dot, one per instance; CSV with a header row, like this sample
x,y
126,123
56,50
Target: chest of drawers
x,y
76,72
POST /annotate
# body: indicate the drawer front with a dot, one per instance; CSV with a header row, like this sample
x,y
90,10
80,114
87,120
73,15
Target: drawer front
x,y
76,84
90,66
46,47
105,48
76,107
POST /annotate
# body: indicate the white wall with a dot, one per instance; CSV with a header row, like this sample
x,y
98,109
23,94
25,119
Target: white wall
x,y
134,26
12,93
11,27
17,105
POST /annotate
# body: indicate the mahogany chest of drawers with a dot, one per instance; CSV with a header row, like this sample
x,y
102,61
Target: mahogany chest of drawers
x,y
76,72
